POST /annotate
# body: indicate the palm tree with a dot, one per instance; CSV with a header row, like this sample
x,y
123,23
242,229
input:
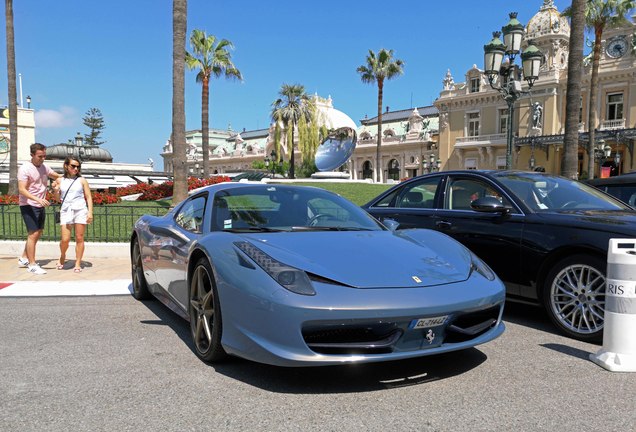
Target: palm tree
x,y
380,67
179,26
599,15
569,165
292,104
13,100
211,58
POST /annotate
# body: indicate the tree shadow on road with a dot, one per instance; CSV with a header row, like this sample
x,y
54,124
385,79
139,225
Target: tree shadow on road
x,y
330,379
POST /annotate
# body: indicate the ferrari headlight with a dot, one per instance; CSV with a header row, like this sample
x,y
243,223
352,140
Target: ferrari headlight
x,y
290,278
481,267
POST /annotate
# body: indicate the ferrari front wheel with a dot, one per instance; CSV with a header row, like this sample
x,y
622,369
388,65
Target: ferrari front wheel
x,y
206,324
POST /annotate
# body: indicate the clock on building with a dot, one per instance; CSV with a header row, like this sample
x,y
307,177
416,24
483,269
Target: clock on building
x,y
616,47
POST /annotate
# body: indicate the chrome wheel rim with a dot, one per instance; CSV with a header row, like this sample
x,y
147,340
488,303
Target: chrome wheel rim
x,y
202,309
577,298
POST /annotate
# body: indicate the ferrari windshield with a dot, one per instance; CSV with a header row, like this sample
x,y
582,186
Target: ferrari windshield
x,y
286,208
543,192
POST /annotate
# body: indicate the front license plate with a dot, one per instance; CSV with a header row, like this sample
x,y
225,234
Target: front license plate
x,y
428,322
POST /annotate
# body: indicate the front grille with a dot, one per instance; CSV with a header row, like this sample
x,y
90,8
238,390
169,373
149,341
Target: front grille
x,y
471,325
352,339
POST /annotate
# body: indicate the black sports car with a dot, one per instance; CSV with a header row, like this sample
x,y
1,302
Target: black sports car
x,y
544,235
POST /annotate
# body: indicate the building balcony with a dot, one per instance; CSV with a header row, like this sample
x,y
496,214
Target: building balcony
x,y
473,141
612,124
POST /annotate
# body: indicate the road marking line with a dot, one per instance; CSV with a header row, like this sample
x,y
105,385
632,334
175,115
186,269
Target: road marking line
x,y
65,288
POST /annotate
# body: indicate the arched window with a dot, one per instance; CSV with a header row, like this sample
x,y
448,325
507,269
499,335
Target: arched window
x,y
394,169
367,170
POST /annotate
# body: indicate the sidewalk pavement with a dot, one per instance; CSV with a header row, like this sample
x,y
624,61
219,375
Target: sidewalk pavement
x,y
106,271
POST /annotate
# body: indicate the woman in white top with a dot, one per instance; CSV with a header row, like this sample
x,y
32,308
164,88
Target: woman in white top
x,y
76,211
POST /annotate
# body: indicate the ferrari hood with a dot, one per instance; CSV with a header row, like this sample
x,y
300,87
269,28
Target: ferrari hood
x,y
371,259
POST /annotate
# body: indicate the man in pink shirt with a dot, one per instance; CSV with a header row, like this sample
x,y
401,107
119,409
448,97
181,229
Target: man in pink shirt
x,y
32,182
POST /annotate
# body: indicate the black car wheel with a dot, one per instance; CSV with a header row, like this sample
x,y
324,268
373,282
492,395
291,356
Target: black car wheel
x,y
140,286
574,296
205,314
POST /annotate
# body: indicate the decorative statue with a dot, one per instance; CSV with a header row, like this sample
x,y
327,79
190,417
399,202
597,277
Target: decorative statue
x,y
537,115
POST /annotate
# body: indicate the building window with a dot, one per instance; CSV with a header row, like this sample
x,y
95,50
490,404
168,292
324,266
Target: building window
x,y
473,124
581,110
470,164
474,85
501,162
503,120
614,106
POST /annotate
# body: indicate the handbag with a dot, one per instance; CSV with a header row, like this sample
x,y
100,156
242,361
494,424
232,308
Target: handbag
x,y
56,215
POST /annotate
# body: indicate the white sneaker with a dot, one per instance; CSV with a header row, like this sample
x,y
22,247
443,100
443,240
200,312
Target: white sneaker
x,y
23,262
36,269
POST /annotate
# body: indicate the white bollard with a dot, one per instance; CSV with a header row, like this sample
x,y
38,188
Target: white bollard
x,y
618,353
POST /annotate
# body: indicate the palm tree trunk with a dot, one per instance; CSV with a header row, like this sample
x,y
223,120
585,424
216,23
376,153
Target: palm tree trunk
x,y
378,155
13,100
569,166
592,114
291,157
179,25
205,126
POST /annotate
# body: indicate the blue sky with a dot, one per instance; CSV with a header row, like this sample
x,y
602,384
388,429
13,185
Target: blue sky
x,y
116,56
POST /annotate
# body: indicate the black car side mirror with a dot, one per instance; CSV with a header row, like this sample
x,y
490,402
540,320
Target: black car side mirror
x,y
489,204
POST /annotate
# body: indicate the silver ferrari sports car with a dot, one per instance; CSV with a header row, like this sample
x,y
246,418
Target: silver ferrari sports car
x,y
298,276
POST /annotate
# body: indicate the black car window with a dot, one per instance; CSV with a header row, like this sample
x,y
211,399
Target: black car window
x,y
419,194
387,200
462,192
190,215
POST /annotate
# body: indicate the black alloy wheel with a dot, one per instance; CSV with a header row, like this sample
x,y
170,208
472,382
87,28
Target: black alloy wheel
x,y
140,286
205,314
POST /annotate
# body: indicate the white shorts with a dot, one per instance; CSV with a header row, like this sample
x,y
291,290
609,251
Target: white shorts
x,y
70,216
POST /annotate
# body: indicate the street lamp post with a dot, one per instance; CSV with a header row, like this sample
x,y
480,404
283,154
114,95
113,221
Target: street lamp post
x,y
509,73
432,165
273,158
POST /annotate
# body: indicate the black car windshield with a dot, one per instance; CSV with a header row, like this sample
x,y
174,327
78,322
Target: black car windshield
x,y
544,192
273,208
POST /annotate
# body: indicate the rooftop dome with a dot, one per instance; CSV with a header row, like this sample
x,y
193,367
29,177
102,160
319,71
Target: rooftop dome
x,y
60,152
548,21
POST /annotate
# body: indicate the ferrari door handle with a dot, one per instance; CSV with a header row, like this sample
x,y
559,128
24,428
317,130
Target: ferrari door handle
x,y
443,225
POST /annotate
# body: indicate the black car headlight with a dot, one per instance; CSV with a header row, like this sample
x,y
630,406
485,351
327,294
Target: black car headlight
x,y
290,278
481,267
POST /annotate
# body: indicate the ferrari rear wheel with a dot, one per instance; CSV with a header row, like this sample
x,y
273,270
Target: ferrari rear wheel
x,y
574,296
206,324
140,286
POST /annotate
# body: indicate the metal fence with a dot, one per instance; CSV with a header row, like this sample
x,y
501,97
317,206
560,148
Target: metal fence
x,y
111,223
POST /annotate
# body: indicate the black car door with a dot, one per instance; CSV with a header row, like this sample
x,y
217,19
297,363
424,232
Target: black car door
x,y
412,205
494,237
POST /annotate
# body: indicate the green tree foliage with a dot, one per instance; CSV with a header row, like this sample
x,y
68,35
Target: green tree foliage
x,y
94,121
378,68
212,58
292,104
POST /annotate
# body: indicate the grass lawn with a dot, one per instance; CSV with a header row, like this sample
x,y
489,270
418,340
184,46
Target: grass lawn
x,y
114,222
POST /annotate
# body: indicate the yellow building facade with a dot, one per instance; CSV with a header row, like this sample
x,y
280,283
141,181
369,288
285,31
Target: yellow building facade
x,y
473,116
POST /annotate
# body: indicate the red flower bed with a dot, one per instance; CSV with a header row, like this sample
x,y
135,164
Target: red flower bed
x,y
149,192
164,190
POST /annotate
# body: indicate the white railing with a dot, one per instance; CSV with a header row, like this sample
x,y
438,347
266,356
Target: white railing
x,y
481,138
612,124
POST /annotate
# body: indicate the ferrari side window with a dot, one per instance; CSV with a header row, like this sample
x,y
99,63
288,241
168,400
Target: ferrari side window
x,y
190,216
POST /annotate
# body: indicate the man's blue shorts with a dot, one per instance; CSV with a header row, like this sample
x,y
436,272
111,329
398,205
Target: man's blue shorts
x,y
34,217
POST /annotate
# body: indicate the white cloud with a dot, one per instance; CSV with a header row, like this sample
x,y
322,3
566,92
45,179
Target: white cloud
x,y
47,118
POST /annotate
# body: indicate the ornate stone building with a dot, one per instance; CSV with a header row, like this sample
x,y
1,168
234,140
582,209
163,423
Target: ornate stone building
x,y
407,145
472,131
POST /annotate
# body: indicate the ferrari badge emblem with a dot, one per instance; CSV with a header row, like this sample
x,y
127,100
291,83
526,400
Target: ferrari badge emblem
x,y
416,279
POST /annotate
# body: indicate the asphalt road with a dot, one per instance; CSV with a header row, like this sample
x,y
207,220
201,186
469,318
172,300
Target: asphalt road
x,y
114,364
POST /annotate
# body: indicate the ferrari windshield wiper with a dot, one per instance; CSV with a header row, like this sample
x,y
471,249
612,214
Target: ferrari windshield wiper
x,y
254,229
328,228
